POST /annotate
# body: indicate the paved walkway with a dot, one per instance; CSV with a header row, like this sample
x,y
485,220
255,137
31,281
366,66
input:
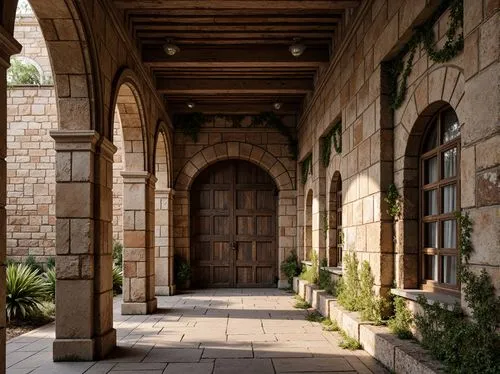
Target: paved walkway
x,y
221,331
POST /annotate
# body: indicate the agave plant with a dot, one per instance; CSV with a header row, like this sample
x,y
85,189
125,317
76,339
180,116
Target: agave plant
x,y
50,278
117,279
26,289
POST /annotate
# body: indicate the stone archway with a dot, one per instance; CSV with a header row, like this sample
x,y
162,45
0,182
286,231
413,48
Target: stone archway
x,y
440,87
287,216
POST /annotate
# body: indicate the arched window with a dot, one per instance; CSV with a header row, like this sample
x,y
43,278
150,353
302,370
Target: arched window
x,y
336,238
440,197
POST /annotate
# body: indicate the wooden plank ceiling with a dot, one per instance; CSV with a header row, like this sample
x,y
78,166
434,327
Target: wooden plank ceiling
x,y
234,55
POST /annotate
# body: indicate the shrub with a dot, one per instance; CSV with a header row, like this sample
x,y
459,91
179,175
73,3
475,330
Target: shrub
x,y
21,73
310,273
33,264
26,290
182,270
117,279
349,285
50,278
290,267
325,281
400,323
118,254
51,263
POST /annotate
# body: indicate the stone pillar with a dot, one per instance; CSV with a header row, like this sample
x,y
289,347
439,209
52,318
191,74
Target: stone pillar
x,y
8,47
164,248
84,298
138,243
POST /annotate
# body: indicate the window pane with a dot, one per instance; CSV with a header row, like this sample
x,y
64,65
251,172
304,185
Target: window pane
x,y
430,198
430,141
449,234
451,128
449,198
450,163
430,170
431,267
430,233
449,269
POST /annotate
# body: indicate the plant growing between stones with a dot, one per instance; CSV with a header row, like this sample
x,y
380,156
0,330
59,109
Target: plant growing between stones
x,y
329,325
290,267
314,317
306,168
401,321
348,343
393,200
334,137
301,303
466,344
310,273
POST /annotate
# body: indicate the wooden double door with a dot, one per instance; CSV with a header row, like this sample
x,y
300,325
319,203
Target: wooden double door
x,y
233,227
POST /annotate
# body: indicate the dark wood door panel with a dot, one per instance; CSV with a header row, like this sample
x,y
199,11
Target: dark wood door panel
x,y
233,231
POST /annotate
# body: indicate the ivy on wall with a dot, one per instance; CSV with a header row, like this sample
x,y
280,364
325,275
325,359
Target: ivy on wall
x,y
306,168
393,200
334,137
190,125
424,35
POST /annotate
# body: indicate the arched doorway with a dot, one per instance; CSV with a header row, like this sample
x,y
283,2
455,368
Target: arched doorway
x,y
233,227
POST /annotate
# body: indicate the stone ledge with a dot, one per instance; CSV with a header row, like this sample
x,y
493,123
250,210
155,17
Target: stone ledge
x,y
399,356
432,297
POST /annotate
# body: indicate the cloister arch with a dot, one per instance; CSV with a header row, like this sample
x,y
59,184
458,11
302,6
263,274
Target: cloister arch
x,y
445,87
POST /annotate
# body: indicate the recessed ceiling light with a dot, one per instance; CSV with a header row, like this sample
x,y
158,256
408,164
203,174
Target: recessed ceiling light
x,y
190,104
297,48
170,48
277,105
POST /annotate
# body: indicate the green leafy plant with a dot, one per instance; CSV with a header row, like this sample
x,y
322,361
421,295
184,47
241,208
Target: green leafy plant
x,y
325,281
333,137
324,223
400,323
329,325
118,254
50,278
33,264
465,344
301,303
348,343
393,200
22,73
310,273
190,124
51,263
424,34
290,267
349,285
314,317
182,270
117,279
25,290
306,168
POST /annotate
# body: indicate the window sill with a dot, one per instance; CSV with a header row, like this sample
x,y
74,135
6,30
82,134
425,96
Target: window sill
x,y
333,270
432,297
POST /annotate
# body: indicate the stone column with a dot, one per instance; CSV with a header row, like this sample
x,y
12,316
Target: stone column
x,y
164,248
84,299
138,243
8,47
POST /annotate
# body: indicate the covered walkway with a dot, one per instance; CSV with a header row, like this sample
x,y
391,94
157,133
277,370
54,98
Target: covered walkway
x,y
202,332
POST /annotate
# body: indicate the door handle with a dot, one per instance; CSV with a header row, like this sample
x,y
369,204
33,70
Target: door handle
x,y
234,246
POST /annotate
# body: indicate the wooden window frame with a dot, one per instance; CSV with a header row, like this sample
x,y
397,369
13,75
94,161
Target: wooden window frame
x,y
339,241
438,185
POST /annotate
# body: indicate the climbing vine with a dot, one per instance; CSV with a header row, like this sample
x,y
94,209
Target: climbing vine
x,y
424,34
393,200
190,124
334,137
306,168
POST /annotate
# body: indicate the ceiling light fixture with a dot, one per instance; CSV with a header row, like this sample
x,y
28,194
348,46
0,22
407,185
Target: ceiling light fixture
x,y
277,105
190,104
170,48
297,48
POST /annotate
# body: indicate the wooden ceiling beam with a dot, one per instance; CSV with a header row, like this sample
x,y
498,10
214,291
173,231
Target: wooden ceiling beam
x,y
285,42
231,19
234,57
267,5
235,28
233,108
208,86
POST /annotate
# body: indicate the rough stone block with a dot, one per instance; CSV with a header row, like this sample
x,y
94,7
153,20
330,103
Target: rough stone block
x,y
74,305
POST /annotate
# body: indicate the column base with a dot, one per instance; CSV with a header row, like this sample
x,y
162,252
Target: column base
x,y
283,283
165,290
139,308
73,350
105,343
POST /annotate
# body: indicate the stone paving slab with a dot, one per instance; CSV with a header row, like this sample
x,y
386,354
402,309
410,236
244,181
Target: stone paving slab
x,y
216,331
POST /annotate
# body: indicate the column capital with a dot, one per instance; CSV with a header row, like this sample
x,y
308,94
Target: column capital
x,y
138,177
75,140
170,192
106,148
8,47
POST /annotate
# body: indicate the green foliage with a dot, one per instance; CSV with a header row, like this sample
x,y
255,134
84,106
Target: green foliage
x,y
118,254
334,137
400,323
290,267
355,291
25,290
348,343
424,34
51,263
325,281
324,223
466,344
22,73
301,303
306,168
117,279
50,279
33,264
329,325
393,200
310,273
314,317
182,270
